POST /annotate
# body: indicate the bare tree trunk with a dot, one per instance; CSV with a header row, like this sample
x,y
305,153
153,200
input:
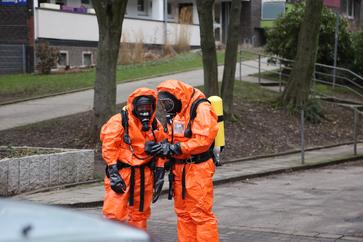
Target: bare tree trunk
x,y
230,59
297,91
207,42
110,16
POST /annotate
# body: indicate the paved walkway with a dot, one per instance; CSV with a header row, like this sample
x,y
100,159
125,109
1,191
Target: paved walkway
x,y
37,110
92,194
318,205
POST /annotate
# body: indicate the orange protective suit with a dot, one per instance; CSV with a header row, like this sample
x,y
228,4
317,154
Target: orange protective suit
x,y
196,221
114,149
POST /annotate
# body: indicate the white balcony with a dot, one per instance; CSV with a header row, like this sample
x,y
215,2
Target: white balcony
x,y
63,25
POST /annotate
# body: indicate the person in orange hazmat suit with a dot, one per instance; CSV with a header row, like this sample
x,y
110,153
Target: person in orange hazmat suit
x,y
129,172
190,151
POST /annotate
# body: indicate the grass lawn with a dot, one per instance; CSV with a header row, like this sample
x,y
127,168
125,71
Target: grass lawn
x,y
252,92
20,86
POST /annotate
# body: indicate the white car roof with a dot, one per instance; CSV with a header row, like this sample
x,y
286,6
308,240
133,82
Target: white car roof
x,y
24,221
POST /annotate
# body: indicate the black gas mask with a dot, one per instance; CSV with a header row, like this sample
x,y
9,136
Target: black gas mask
x,y
170,104
144,107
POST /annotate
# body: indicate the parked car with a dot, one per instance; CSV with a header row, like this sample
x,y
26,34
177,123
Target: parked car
x,y
28,222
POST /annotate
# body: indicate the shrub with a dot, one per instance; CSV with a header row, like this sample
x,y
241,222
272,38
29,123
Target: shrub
x,y
47,57
183,38
313,111
282,39
138,51
169,51
131,53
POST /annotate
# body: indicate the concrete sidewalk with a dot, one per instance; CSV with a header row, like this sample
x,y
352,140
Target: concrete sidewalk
x,y
92,194
33,111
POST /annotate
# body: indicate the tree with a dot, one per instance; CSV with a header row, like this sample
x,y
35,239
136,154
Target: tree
x,y
110,15
205,14
283,37
297,92
48,57
231,58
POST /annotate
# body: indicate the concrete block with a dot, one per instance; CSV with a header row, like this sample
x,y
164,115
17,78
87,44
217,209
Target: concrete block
x,y
4,177
85,165
54,170
24,174
13,177
38,171
67,168
41,171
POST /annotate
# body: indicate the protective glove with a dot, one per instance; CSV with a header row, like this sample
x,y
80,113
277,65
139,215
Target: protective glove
x,y
148,147
165,149
118,185
159,174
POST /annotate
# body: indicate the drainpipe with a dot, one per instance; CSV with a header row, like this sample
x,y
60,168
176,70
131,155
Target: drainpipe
x,y
165,22
29,49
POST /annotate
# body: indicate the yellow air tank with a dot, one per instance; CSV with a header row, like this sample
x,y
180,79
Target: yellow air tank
x,y
219,142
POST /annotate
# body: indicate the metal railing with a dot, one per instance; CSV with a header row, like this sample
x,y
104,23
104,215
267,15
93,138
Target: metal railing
x,y
356,114
336,77
324,74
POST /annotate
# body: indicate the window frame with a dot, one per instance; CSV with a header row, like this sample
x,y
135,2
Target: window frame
x,y
87,53
262,9
145,6
172,14
352,9
66,52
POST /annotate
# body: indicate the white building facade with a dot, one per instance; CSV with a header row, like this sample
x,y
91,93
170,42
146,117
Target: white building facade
x,y
71,26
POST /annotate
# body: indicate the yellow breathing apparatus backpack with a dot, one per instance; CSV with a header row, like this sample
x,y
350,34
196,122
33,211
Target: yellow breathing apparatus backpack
x,y
217,105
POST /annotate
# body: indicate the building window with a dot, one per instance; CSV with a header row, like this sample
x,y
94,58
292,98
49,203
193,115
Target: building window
x,y
272,10
217,34
142,7
87,58
217,12
42,1
85,1
170,9
61,2
348,8
63,59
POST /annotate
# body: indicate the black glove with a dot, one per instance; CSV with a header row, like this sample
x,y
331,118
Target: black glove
x,y
165,149
116,181
159,174
148,147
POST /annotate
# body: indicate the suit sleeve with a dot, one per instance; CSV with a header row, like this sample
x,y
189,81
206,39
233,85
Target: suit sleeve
x,y
111,138
204,129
